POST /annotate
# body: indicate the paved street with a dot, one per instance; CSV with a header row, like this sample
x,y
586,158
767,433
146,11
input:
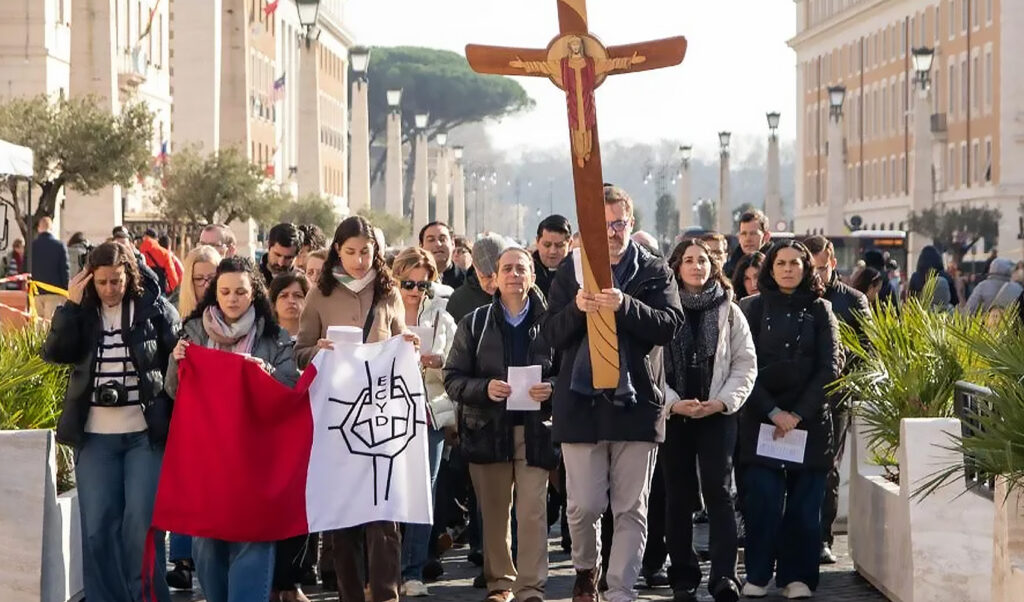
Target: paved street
x,y
839,583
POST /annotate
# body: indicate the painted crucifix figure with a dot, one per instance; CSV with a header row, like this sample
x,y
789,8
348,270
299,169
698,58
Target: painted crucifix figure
x,y
578,63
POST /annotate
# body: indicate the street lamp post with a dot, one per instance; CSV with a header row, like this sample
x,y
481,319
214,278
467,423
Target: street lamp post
x,y
459,192
421,185
308,157
685,201
724,205
359,151
441,172
393,168
773,195
922,196
835,223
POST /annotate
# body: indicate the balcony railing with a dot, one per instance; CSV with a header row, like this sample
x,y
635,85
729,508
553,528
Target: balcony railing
x,y
134,69
970,402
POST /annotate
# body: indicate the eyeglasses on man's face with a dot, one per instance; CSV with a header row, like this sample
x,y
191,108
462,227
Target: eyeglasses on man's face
x,y
618,226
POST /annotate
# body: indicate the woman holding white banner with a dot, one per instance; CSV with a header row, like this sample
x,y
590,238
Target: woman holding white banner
x,y
500,372
417,277
235,315
786,427
710,367
356,289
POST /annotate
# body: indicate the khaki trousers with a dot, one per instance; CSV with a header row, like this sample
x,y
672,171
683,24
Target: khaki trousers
x,y
494,484
619,472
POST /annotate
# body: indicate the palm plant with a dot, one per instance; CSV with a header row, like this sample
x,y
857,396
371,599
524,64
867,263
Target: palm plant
x,y
993,440
31,390
905,365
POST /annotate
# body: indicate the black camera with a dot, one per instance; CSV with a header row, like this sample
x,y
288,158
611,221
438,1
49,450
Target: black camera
x,y
111,394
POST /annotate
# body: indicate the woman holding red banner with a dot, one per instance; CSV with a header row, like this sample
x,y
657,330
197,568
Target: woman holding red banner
x,y
235,315
356,289
117,331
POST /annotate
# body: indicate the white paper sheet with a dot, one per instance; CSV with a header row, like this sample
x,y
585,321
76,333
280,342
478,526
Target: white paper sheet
x,y
790,448
345,335
521,378
426,335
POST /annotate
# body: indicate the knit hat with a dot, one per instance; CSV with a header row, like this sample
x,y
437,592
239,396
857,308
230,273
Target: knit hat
x,y
486,251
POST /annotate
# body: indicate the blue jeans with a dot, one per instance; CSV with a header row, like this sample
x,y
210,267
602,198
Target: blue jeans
x,y
181,547
416,541
782,510
234,572
117,477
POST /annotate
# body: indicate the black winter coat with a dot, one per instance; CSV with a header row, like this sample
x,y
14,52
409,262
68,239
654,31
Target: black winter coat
x,y
50,260
467,297
798,356
649,316
848,304
544,276
481,353
73,337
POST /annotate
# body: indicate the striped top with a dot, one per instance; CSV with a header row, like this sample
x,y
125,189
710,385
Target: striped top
x,y
114,364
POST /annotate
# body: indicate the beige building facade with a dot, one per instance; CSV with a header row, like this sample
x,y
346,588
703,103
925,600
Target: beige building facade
x,y
207,69
976,99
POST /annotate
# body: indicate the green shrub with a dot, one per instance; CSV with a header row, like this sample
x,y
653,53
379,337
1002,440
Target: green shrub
x,y
906,366
32,391
995,441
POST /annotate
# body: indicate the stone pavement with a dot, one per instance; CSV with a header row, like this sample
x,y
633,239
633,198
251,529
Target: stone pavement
x,y
839,582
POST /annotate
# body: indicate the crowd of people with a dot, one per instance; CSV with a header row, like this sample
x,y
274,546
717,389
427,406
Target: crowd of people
x,y
715,349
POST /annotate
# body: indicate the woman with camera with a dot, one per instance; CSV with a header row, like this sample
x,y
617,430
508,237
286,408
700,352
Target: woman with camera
x,y
234,315
116,331
416,274
798,354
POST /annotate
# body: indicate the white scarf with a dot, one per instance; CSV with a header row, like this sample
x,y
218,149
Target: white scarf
x,y
356,285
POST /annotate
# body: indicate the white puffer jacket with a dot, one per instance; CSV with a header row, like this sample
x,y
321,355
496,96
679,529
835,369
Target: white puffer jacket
x,y
433,311
735,367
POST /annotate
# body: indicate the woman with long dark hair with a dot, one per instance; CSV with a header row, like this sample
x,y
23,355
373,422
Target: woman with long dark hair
x,y
117,332
710,368
356,289
744,280
798,354
234,315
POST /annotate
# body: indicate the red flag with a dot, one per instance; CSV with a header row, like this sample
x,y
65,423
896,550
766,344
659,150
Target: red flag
x,y
270,8
260,433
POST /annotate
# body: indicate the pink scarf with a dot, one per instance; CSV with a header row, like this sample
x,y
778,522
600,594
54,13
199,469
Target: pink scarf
x,y
238,337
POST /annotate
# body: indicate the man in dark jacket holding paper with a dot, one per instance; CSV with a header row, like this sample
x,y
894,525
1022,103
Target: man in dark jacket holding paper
x,y
609,437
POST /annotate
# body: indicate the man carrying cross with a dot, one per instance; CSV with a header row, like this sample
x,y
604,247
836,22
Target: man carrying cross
x,y
609,311
610,437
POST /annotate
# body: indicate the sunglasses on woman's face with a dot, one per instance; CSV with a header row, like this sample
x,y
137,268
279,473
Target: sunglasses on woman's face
x,y
408,285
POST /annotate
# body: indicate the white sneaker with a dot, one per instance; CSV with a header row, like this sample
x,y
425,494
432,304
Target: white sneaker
x,y
797,591
415,588
754,591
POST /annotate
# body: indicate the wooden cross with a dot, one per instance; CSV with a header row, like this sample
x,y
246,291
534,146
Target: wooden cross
x,y
577,62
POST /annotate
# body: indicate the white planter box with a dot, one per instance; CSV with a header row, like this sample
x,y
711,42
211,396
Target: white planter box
x,y
925,549
1008,561
40,533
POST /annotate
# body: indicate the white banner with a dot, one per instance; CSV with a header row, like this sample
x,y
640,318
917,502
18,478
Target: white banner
x,y
369,456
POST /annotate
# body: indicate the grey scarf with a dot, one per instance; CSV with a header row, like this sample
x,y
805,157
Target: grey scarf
x,y
705,343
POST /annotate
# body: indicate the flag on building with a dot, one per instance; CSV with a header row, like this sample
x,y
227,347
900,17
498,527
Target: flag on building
x,y
148,30
248,459
270,8
277,92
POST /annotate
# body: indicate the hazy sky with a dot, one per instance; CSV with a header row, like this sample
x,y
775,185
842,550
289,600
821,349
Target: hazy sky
x,y
737,66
